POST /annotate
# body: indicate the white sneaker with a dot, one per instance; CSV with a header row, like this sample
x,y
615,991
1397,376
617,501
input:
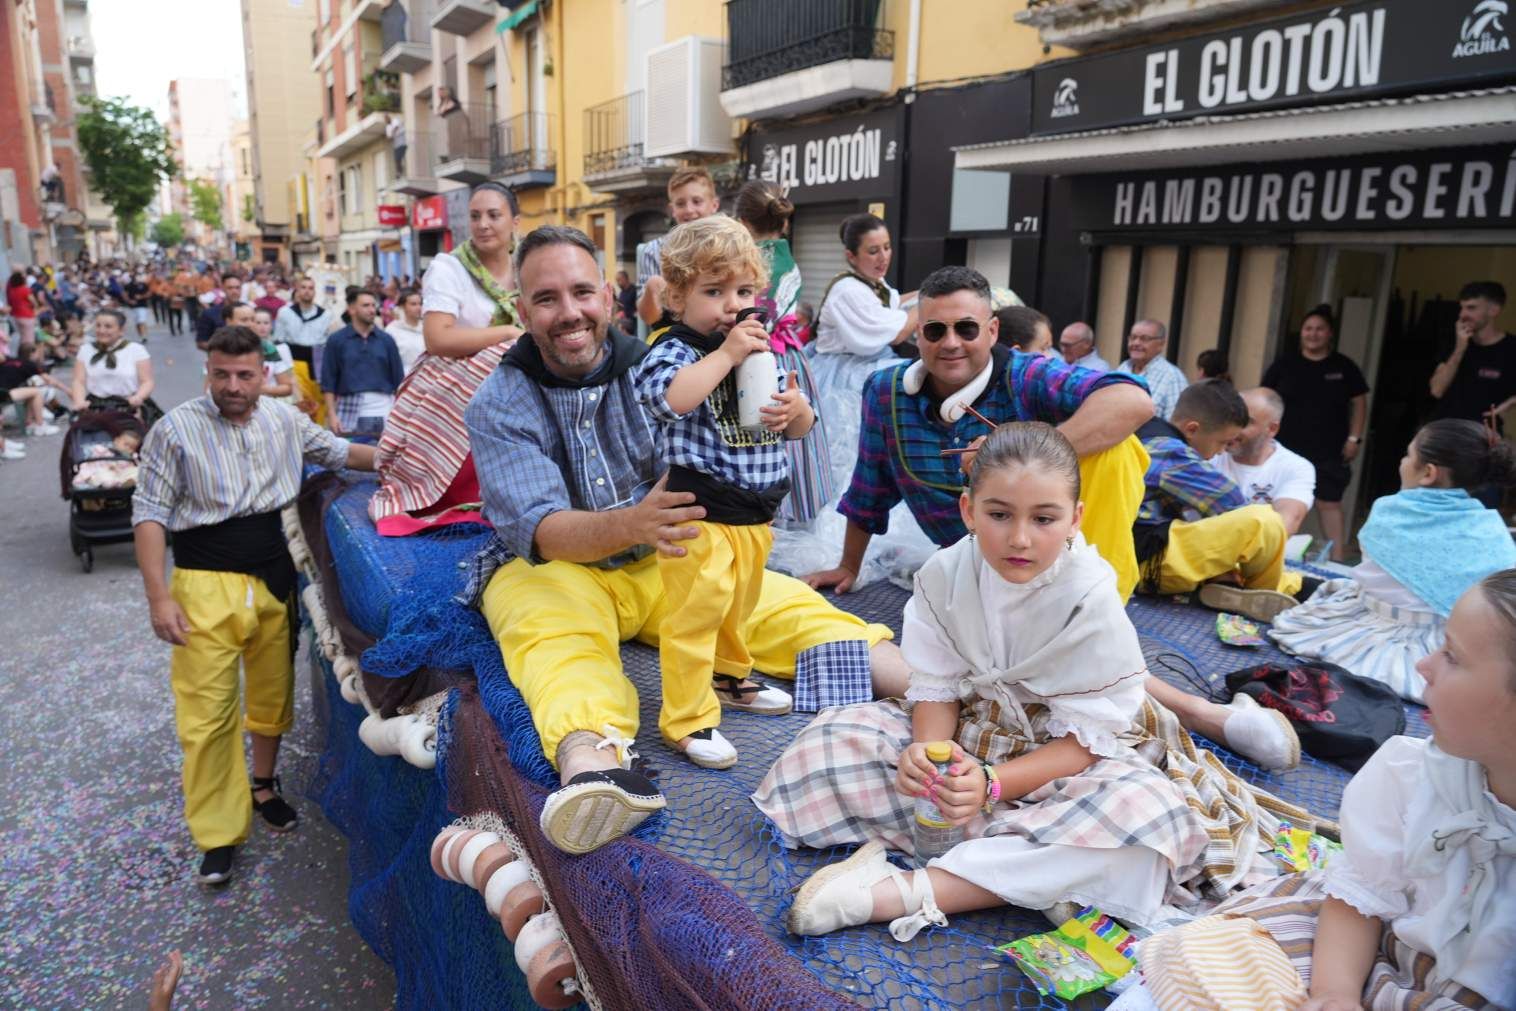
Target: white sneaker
x,y
12,444
1262,736
709,750
12,454
842,895
43,429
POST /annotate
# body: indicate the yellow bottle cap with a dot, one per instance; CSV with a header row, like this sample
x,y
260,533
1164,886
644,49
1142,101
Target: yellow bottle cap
x,y
939,751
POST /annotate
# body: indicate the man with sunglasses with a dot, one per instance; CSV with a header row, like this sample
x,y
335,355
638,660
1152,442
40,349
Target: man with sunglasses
x,y
915,413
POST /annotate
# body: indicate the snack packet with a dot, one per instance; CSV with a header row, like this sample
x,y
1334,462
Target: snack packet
x,y
1084,954
1235,630
1300,850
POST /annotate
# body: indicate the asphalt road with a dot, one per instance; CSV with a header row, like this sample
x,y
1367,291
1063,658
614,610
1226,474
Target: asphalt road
x,y
96,865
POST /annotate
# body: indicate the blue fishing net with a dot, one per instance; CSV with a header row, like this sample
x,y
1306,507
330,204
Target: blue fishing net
x,y
701,891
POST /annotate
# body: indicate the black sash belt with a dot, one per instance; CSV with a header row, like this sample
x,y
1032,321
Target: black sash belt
x,y
724,503
253,545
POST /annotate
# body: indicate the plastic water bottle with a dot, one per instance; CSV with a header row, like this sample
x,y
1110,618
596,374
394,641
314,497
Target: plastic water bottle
x,y
757,380
930,829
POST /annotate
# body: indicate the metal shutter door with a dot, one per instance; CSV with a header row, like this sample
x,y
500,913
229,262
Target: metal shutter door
x,y
817,250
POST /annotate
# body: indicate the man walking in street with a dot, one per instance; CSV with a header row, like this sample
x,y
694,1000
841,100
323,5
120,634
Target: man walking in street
x,y
213,316
303,325
216,471
360,371
1145,347
1077,345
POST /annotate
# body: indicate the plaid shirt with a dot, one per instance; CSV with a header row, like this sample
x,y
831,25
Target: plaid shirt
x,y
1165,381
540,450
698,439
902,437
1181,485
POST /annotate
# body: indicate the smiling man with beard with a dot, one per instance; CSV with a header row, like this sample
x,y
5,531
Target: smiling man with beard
x,y
216,471
572,472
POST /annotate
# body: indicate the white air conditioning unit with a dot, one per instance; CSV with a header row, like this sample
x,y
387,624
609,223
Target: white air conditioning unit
x,y
684,114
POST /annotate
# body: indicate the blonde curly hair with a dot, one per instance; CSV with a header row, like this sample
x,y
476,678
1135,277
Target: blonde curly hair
x,y
716,245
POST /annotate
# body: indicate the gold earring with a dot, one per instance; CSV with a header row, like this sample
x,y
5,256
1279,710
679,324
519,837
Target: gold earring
x,y
1070,543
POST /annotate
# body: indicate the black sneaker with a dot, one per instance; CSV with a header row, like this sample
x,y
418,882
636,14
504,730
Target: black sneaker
x,y
216,865
597,806
276,811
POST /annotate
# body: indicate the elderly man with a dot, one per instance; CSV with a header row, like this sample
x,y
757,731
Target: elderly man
x,y
1145,347
1077,345
216,470
572,474
1262,469
912,413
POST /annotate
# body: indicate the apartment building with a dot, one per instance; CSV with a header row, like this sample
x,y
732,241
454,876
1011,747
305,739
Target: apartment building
x,y
241,203
356,101
200,123
284,103
46,61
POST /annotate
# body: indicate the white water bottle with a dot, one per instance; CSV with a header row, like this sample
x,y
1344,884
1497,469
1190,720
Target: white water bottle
x,y
757,381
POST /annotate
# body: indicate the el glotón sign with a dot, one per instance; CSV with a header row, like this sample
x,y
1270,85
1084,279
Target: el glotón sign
x,y
1335,54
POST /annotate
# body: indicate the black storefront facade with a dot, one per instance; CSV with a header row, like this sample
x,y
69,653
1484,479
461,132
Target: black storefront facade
x,y
1362,155
831,166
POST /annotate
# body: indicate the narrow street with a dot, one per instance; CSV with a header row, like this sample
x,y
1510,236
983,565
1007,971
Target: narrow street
x,y
98,863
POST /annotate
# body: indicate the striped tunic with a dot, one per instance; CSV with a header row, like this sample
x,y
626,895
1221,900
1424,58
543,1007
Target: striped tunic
x,y
197,468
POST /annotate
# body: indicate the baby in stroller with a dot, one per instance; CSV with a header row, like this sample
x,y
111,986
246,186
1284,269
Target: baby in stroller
x,y
109,466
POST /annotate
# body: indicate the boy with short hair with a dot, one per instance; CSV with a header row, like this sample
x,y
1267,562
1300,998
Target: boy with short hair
x,y
1195,529
687,382
692,196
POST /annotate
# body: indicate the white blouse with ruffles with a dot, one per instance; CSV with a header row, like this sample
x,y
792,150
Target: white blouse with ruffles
x,y
854,322
1096,718
1386,810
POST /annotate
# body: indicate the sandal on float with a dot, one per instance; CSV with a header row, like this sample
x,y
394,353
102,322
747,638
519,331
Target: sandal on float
x,y
753,698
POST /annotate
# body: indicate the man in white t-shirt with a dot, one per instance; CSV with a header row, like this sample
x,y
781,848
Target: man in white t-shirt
x,y
1265,470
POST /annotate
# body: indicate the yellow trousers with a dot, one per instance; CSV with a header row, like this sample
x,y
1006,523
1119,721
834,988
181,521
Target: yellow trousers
x,y
232,618
711,592
560,626
1112,488
1248,541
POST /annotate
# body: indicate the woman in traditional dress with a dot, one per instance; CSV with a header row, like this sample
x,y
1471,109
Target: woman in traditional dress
x,y
468,303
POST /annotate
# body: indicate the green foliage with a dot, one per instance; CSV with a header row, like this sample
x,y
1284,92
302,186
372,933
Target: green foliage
x,y
168,231
205,203
249,207
128,154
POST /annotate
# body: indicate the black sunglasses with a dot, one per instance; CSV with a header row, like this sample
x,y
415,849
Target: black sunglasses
x,y
966,329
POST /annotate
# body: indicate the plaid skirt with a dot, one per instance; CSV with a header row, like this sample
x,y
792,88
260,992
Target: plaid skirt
x,y
835,785
1400,977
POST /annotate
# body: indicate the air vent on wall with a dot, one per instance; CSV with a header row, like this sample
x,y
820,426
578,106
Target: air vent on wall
x,y
684,114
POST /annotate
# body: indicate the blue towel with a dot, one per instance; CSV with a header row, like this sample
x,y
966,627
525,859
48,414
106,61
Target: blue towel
x,y
1437,542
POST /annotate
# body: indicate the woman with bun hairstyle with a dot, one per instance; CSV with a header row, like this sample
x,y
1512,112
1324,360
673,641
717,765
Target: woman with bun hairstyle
x,y
860,329
765,212
1423,547
1326,409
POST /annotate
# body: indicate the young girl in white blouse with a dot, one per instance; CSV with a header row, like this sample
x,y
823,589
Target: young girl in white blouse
x,y
1419,909
1022,655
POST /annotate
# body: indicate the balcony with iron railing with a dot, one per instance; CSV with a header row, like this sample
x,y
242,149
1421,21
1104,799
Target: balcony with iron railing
x,y
521,151
614,136
791,56
1080,24
463,144
406,29
415,164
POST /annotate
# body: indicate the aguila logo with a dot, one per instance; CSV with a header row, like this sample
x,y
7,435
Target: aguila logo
x,y
1483,31
1066,98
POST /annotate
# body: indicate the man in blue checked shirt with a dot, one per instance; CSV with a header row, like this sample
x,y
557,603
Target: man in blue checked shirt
x,y
571,469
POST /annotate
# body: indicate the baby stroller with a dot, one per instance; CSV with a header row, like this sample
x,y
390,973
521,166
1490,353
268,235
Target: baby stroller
x,y
98,469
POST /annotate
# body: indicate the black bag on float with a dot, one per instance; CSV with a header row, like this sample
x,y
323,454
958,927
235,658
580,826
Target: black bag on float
x,y
1340,717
